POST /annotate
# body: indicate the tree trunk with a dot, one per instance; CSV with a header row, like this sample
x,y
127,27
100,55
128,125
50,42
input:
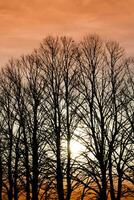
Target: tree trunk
x,y
26,160
112,194
35,172
59,176
27,174
119,184
35,157
104,184
10,192
68,173
0,169
68,143
16,175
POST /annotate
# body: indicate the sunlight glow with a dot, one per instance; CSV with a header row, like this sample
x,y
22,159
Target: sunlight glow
x,y
76,148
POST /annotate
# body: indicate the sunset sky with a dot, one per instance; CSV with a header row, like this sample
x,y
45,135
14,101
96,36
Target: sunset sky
x,y
24,23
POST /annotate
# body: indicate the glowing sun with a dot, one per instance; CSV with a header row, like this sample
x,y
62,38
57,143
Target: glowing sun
x,y
76,148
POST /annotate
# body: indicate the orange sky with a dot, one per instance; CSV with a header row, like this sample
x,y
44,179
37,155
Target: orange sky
x,y
24,23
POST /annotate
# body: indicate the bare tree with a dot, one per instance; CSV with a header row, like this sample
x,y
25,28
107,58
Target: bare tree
x,y
66,91
8,113
49,52
108,144
34,95
70,98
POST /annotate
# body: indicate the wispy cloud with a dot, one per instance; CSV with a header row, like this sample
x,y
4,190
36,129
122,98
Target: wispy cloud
x,y
24,23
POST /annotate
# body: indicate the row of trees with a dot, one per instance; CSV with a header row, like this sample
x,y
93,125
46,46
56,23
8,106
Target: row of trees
x,y
66,91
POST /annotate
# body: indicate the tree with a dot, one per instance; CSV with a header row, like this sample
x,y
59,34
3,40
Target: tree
x,y
34,91
11,134
65,92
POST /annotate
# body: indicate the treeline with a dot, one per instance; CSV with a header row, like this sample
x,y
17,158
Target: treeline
x,y
67,91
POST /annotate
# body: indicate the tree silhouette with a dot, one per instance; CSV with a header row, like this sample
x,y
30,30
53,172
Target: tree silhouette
x,y
65,92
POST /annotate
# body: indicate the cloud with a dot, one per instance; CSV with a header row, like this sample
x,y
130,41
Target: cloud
x,y
24,23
